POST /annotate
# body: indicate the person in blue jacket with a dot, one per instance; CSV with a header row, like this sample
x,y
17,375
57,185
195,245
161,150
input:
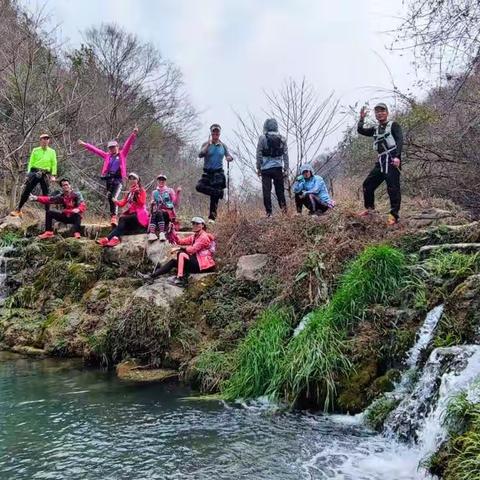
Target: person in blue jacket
x,y
310,191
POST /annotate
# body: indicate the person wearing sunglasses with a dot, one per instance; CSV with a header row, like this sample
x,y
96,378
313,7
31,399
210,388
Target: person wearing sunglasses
x,y
194,254
42,168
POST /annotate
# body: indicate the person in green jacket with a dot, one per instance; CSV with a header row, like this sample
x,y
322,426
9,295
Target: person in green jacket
x,y
42,168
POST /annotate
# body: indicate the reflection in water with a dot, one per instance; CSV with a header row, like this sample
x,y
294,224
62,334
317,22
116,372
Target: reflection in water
x,y
59,421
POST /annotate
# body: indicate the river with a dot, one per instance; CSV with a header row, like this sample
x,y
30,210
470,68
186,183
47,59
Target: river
x,y
59,420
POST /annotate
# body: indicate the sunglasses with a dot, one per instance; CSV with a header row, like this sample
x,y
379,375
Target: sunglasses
x,y
45,138
197,223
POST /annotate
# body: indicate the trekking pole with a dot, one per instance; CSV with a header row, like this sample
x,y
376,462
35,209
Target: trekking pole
x,y
228,186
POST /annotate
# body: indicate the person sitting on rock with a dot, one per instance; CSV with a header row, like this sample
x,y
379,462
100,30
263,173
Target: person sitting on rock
x,y
195,255
134,219
310,191
72,205
162,209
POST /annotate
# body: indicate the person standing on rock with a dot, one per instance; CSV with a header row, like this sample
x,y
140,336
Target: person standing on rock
x,y
388,143
272,164
310,191
195,255
213,181
162,209
114,169
42,168
72,204
134,219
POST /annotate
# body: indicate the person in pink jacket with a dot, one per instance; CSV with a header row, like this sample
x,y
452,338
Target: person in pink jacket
x,y
114,169
195,255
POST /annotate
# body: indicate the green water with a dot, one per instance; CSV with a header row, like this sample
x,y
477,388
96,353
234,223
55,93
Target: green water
x,y
61,421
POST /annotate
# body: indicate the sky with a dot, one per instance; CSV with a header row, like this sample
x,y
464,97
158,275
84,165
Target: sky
x,y
231,51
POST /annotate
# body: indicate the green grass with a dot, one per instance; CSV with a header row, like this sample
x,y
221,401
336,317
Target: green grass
x,y
259,356
211,368
452,264
8,239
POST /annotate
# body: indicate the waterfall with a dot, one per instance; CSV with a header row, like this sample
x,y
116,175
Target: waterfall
x,y
3,270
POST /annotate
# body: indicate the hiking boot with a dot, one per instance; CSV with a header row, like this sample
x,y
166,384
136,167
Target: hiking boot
x,y
367,212
113,221
113,242
152,237
391,220
16,213
77,235
46,235
178,282
162,237
102,241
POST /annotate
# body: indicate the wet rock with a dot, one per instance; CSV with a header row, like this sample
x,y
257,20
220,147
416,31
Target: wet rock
x,y
250,267
159,292
21,326
132,372
29,350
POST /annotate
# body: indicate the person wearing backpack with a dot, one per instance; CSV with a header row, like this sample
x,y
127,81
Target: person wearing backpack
x,y
388,143
194,255
272,164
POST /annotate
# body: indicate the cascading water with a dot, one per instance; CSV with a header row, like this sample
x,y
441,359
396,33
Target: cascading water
x,y
3,270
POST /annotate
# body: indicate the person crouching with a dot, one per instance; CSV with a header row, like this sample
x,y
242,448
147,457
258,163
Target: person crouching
x,y
310,191
72,204
134,219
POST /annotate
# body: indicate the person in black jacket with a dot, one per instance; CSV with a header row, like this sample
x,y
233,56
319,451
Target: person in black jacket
x,y
388,143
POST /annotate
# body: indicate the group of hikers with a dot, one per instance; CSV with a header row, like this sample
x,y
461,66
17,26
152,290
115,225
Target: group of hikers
x,y
158,218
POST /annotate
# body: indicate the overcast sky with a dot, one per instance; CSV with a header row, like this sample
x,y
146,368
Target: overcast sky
x,y
230,50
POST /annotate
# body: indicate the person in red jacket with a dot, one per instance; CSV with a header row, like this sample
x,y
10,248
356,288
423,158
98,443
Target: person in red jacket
x,y
72,204
195,255
135,218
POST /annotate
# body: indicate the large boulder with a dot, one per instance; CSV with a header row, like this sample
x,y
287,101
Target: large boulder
x,y
250,267
160,292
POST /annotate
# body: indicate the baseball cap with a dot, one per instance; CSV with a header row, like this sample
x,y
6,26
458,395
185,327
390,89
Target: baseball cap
x,y
162,177
44,135
215,126
198,220
381,106
112,143
133,175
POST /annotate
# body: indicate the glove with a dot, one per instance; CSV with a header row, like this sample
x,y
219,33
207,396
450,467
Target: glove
x,y
331,203
299,178
32,198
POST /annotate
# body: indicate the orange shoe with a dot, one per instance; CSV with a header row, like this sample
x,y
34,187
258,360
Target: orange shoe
x,y
77,235
391,220
113,242
16,213
113,221
46,235
102,241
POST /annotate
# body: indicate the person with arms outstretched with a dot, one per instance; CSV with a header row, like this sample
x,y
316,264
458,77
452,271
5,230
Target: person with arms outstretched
x,y
388,143
114,169
42,169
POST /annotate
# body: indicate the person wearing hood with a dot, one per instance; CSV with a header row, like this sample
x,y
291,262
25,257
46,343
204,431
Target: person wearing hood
x,y
213,180
114,169
272,164
135,218
388,143
194,255
162,209
310,191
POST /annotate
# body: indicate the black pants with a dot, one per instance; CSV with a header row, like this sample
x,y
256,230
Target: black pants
x,y
127,224
74,219
373,181
311,202
159,221
274,175
191,266
33,179
212,183
114,187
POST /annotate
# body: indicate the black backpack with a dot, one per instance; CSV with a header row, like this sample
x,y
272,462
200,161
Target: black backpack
x,y
275,146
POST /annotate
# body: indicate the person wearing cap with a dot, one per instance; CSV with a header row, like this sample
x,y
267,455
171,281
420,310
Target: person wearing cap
x,y
388,143
195,255
72,207
134,219
272,164
310,191
213,180
114,169
162,209
42,168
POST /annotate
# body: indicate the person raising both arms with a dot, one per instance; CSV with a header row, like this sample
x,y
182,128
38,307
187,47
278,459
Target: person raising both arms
x,y
134,219
388,143
114,169
213,180
42,168
72,204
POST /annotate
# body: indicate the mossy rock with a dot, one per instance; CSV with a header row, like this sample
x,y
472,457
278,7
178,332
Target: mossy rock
x,y
383,384
21,326
83,251
378,411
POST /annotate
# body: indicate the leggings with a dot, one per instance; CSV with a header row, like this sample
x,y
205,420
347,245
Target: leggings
x,y
34,178
159,221
114,187
185,264
127,224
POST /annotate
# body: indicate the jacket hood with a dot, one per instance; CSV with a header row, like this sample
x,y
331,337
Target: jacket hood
x,y
307,168
270,125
